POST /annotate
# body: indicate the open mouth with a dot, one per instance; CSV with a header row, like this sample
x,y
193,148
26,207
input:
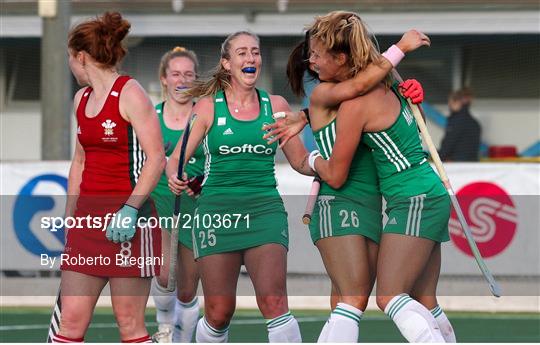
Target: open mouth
x,y
179,89
249,70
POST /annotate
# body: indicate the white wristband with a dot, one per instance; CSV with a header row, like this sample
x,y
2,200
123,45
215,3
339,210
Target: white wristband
x,y
312,157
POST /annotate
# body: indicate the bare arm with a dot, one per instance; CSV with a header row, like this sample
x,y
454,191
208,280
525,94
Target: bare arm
x,y
74,179
294,149
76,168
331,94
136,107
297,156
350,125
201,125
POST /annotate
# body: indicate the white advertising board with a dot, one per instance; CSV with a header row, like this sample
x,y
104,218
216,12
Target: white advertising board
x,y
500,201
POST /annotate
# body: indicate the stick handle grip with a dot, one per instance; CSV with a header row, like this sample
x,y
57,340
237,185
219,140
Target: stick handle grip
x,y
419,116
171,282
181,163
313,194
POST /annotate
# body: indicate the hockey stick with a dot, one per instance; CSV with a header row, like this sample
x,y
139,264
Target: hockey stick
x,y
173,260
312,198
54,326
418,113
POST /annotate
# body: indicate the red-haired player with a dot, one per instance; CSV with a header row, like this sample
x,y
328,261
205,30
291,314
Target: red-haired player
x,y
117,162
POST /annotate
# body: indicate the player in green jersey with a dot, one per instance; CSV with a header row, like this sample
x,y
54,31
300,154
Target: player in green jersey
x,y
347,222
176,312
412,185
240,215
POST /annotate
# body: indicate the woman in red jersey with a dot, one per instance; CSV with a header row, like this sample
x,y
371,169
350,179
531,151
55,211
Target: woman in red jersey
x,y
117,162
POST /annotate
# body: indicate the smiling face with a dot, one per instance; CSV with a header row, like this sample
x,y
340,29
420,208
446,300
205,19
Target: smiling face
x,y
244,52
179,74
329,67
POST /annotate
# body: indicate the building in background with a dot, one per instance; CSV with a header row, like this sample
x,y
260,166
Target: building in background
x,y
490,46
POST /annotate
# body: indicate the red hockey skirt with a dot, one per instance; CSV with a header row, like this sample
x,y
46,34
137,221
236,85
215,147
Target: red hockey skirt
x,y
89,251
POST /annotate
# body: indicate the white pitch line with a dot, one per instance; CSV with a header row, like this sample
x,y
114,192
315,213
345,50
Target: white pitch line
x,y
262,321
153,324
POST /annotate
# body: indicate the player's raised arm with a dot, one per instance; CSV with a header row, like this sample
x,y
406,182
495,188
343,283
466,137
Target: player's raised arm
x,y
331,94
313,54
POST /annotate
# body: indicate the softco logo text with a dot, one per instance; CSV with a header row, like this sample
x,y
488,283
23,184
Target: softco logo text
x,y
246,148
